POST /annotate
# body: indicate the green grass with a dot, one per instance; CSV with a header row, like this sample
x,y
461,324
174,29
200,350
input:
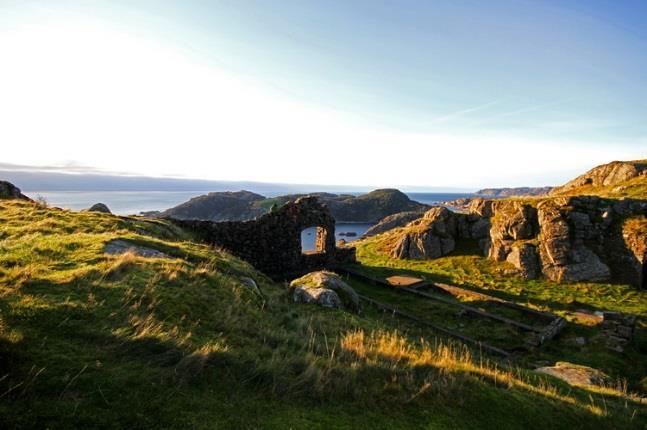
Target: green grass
x,y
467,268
89,340
633,188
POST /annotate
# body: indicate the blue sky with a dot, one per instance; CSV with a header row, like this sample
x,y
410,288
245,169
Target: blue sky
x,y
473,93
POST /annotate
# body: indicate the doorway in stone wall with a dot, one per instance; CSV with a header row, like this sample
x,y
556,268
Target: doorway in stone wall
x,y
313,240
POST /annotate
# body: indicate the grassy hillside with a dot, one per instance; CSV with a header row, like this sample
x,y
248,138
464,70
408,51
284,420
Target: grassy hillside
x,y
90,340
616,179
467,267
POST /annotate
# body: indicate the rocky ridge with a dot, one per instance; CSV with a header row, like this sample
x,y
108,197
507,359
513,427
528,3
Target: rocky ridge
x,y
245,205
583,238
617,178
517,191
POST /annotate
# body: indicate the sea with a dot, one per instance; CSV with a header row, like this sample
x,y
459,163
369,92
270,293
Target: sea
x,y
135,202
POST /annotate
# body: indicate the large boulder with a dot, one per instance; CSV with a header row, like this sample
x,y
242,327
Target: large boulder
x,y
325,289
432,236
564,254
575,374
393,221
524,257
99,207
10,191
511,221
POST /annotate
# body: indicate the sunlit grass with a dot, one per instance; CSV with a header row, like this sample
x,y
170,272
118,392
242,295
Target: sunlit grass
x,y
93,340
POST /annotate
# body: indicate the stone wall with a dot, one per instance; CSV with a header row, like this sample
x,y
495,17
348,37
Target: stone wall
x,y
272,242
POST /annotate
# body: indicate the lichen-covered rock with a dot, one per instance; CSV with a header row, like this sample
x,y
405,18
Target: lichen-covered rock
x,y
325,289
564,255
119,246
575,374
481,207
432,236
100,207
511,221
524,257
318,296
10,191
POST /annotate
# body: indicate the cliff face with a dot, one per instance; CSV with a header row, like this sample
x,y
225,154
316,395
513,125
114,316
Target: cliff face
x,y
571,238
582,238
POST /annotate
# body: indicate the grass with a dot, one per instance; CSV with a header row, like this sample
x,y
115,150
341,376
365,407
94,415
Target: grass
x,y
89,340
633,188
467,268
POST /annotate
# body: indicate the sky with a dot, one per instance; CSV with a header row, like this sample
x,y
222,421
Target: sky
x,y
414,94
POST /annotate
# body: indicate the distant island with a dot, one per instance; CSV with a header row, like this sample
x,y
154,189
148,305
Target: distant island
x,y
245,205
517,191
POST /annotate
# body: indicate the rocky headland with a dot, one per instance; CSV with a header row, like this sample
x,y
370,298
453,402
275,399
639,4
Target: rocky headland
x,y
245,205
517,191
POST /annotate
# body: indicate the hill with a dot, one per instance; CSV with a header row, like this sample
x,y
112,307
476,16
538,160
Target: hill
x,y
615,179
509,192
170,336
243,205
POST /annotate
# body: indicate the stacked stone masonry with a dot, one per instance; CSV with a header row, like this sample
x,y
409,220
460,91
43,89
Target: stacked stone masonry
x,y
272,242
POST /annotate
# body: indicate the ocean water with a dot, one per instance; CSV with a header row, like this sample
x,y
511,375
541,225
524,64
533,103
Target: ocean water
x,y
134,202
309,235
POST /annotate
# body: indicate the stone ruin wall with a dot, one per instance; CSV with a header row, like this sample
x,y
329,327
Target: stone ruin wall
x,y
272,242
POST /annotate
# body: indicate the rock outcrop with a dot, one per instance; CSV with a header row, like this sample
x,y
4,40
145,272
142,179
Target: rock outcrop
x,y
393,221
325,289
575,374
432,236
10,191
583,238
99,207
511,222
524,257
606,175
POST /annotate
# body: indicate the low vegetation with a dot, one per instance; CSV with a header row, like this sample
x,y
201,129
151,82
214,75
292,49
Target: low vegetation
x,y
91,340
466,267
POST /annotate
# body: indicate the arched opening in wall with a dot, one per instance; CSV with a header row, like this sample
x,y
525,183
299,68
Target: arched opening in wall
x,y
313,240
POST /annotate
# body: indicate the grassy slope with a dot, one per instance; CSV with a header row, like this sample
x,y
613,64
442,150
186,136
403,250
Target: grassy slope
x,y
467,268
91,340
635,188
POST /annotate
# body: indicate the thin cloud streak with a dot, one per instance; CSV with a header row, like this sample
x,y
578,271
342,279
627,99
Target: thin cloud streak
x,y
461,113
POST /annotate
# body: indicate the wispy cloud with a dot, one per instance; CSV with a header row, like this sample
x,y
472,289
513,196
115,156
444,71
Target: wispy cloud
x,y
525,109
461,113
